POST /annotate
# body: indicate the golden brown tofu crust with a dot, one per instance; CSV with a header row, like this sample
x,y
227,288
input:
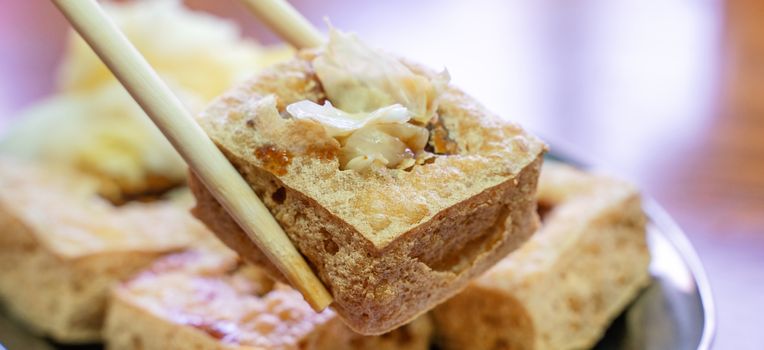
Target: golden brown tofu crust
x,y
388,244
568,282
198,300
63,247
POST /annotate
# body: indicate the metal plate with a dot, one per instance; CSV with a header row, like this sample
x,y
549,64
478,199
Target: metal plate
x,y
675,312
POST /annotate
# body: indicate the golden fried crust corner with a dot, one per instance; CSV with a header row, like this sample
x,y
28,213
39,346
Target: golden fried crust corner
x,y
568,282
62,247
388,244
219,303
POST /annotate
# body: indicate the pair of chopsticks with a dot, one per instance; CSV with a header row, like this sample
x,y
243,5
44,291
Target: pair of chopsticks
x,y
196,148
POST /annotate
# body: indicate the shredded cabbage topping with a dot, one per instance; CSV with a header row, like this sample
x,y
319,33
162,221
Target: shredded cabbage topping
x,y
378,107
340,123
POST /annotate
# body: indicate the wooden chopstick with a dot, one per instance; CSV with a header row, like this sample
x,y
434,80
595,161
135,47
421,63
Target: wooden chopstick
x,y
204,158
283,19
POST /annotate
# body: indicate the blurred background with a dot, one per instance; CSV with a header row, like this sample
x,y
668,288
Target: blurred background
x,y
666,93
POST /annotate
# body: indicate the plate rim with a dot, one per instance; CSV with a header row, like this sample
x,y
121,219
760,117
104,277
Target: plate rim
x,y
676,236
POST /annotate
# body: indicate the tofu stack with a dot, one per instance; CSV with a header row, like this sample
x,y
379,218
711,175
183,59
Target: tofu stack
x,y
416,206
90,191
197,300
63,247
563,287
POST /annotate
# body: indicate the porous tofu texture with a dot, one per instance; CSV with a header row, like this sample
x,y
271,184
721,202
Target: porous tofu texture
x,y
198,300
563,287
63,247
391,243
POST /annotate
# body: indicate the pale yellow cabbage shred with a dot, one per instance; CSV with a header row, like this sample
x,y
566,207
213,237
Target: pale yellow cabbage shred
x,y
379,107
91,124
